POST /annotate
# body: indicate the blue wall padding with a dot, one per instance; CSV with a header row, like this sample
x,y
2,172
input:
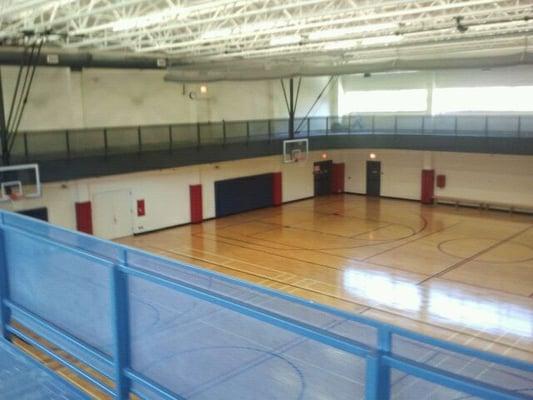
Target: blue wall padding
x,y
242,194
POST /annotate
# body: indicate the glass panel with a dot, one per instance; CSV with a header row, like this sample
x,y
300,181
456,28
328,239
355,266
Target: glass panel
x,y
155,138
407,387
122,140
47,145
87,142
204,351
185,135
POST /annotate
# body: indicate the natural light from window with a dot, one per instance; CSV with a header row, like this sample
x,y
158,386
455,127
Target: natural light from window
x,y
376,101
487,99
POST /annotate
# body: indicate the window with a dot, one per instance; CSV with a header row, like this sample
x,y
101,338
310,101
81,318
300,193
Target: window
x,y
375,101
486,99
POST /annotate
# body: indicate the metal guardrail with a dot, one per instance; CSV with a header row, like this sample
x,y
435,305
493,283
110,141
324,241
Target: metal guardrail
x,y
38,260
69,144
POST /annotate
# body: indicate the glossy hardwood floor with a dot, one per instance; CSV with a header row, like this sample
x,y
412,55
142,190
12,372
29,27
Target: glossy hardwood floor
x,y
460,274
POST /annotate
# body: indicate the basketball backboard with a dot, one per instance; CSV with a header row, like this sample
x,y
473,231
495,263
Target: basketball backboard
x,y
295,150
19,181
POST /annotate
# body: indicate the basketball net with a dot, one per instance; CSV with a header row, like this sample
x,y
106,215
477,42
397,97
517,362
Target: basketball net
x,y
14,197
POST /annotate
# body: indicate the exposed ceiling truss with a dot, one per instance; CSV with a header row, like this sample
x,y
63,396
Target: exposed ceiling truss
x,y
233,32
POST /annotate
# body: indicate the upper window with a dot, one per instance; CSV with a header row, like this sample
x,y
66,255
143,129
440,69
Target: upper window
x,y
375,101
486,99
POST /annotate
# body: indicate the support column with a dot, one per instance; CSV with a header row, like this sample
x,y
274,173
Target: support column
x,y
291,108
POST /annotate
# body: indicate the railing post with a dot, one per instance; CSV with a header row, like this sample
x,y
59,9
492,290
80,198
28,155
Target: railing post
x,y
139,140
378,382
4,286
247,132
105,142
373,124
519,127
26,150
455,129
223,132
327,125
269,131
170,138
395,124
423,128
486,125
198,138
121,334
308,126
349,124
67,143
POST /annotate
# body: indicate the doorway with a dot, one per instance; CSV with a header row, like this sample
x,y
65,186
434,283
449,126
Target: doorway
x,y
373,178
322,173
112,214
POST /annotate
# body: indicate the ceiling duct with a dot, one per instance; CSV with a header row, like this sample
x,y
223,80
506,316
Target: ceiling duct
x,y
499,53
53,57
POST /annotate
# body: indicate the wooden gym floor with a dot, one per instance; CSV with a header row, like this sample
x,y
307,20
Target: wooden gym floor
x,y
460,274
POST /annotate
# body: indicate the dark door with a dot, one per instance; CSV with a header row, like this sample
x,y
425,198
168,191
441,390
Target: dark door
x,y
322,172
373,178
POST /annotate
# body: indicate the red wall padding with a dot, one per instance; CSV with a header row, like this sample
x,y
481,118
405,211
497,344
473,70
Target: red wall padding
x,y
197,213
276,189
428,186
337,178
84,217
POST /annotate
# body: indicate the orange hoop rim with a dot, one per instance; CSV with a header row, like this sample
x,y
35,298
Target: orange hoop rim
x,y
14,196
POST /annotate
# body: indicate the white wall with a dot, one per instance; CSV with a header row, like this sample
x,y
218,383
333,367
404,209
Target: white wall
x,y
166,192
499,178
93,98
400,170
54,101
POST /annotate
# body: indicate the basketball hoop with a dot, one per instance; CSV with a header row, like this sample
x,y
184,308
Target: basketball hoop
x,y
295,150
18,182
14,196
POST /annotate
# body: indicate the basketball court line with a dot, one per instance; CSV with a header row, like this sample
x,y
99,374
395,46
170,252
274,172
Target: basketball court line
x,y
363,260
367,258
468,332
473,257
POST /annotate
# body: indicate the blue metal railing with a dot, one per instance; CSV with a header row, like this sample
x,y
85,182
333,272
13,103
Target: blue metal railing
x,y
106,141
38,260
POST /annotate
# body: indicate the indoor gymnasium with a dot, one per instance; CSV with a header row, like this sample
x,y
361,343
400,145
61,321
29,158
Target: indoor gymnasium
x,y
266,199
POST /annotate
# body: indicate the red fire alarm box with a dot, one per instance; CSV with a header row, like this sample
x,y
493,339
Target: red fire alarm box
x,y
140,208
441,181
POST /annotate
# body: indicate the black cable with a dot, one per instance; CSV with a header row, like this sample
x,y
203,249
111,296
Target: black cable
x,y
19,102
17,84
314,104
34,68
297,94
285,95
